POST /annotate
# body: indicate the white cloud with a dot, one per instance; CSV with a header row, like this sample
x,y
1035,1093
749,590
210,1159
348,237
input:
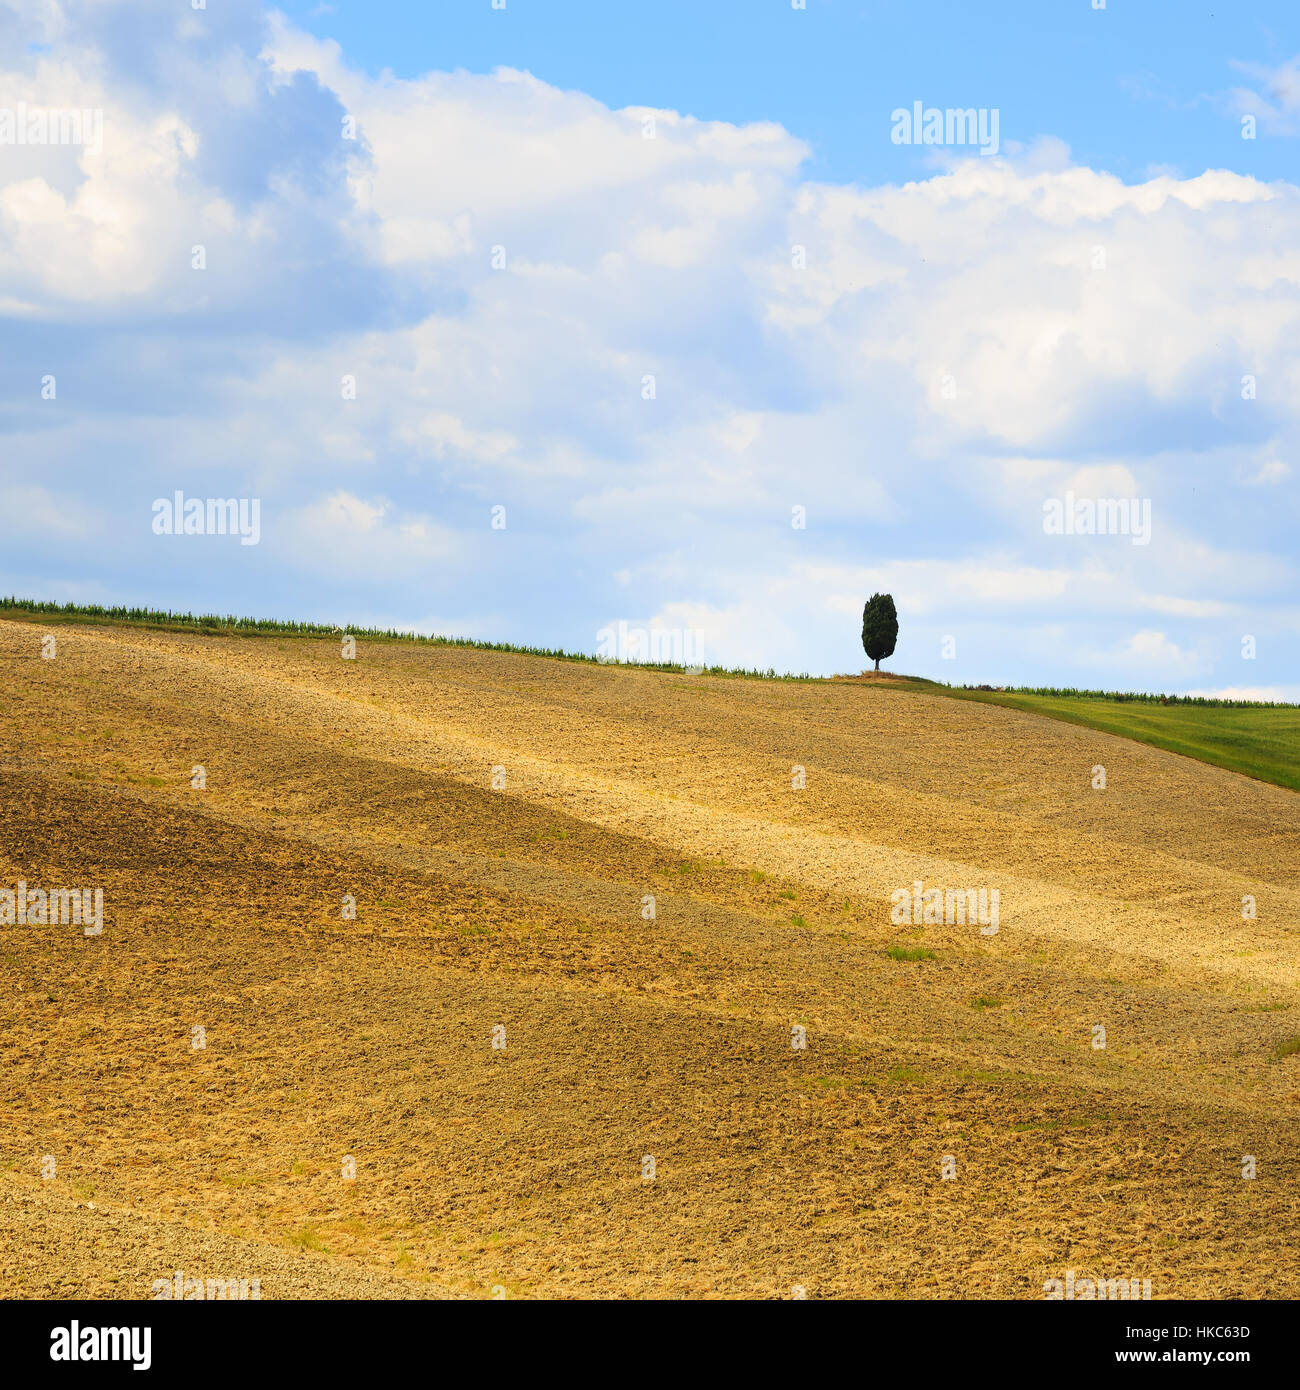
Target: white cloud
x,y
1269,473
42,512
1184,607
370,538
442,433
1277,108
824,388
1153,654
1269,694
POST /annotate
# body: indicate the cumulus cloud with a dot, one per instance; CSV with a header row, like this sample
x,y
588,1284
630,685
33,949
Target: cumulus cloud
x,y
700,385
1158,653
367,538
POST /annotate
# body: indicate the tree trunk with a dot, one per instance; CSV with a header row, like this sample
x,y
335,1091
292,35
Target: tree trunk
x,y
877,663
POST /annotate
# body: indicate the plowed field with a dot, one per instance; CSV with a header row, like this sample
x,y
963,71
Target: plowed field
x,y
501,822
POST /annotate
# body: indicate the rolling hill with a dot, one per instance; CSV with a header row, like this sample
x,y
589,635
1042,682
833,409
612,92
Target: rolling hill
x,y
506,825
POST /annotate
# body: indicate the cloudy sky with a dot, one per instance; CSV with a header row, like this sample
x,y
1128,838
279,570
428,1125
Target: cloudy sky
x,y
662,281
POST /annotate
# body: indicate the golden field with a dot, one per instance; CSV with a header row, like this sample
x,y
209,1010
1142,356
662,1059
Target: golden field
x,y
482,1169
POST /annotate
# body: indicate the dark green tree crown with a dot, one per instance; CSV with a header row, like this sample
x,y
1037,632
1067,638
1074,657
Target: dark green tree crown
x,y
879,627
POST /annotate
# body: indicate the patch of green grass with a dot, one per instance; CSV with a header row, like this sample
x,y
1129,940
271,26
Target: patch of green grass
x,y
797,921
1261,741
306,1239
984,1001
904,1074
1288,1047
909,953
787,894
987,1077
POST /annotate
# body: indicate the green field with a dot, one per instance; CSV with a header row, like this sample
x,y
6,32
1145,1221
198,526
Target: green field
x,y
1261,741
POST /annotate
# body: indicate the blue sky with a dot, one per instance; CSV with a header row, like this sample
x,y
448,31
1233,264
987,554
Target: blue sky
x,y
660,284
1129,87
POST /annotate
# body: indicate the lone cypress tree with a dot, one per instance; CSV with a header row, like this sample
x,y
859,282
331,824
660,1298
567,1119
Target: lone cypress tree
x,y
879,627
